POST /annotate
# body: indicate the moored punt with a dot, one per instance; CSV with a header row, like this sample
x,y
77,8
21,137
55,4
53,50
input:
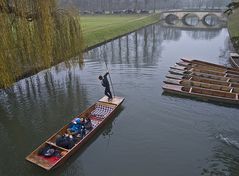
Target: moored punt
x,y
205,69
234,59
207,65
191,83
202,70
99,113
226,77
180,67
178,72
202,93
178,77
200,79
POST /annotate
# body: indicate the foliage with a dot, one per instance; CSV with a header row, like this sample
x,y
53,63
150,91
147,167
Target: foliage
x,y
35,34
231,6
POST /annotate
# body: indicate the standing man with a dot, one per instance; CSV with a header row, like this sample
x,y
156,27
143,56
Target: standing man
x,y
105,83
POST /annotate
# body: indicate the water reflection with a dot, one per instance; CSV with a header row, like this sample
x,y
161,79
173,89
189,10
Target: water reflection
x,y
174,32
141,47
205,35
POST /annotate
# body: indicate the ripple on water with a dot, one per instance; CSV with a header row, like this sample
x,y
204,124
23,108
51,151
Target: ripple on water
x,y
229,141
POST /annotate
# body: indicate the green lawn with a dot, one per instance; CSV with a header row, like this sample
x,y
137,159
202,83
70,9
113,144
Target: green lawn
x,y
101,28
233,27
234,23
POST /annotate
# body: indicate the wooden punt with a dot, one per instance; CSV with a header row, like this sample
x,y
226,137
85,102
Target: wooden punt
x,y
201,79
47,163
202,93
175,70
208,70
234,60
199,84
227,77
201,70
207,65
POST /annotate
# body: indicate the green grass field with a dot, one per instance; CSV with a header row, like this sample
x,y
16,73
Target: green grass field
x,y
101,28
234,23
233,27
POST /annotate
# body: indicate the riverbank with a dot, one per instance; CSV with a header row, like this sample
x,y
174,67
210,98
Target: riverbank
x,y
104,28
233,28
99,29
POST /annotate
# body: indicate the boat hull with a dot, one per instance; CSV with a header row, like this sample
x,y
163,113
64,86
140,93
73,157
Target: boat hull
x,y
200,96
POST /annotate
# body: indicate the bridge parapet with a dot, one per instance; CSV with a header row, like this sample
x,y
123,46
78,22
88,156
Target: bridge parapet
x,y
201,14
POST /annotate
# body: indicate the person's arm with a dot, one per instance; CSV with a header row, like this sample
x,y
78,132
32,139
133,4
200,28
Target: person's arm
x,y
106,74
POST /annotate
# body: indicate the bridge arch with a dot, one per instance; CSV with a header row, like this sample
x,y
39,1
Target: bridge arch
x,y
171,19
190,19
210,19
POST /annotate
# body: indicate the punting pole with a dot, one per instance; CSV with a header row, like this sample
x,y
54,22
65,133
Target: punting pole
x,y
110,79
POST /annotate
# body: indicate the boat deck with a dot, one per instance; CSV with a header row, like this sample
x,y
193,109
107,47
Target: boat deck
x,y
116,100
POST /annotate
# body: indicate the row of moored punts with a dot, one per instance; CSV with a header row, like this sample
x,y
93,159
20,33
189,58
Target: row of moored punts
x,y
203,80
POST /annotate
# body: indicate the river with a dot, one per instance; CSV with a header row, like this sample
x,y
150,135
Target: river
x,y
152,134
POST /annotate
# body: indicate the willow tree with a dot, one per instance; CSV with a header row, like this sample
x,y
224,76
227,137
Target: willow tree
x,y
231,6
35,34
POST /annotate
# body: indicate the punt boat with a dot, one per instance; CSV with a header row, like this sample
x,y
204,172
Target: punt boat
x,y
202,93
234,59
178,78
226,77
99,113
192,83
206,65
207,70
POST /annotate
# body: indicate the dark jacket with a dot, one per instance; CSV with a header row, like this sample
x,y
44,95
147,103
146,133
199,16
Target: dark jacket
x,y
105,81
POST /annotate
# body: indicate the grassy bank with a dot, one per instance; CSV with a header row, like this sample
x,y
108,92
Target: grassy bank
x,y
103,28
233,27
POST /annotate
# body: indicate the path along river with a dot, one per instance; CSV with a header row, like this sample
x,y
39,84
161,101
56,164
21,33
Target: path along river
x,y
152,134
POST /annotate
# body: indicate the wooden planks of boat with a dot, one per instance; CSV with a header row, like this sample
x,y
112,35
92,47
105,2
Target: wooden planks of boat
x,y
178,77
234,60
202,70
99,113
192,83
203,64
206,69
203,93
226,77
201,79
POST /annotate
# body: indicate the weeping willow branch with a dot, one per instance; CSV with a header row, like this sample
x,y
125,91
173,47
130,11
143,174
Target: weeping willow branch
x,y
34,34
231,6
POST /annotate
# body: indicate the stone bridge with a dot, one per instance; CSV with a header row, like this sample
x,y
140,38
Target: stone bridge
x,y
181,14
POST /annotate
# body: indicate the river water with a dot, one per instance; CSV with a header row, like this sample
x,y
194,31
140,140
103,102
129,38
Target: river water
x,y
152,134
